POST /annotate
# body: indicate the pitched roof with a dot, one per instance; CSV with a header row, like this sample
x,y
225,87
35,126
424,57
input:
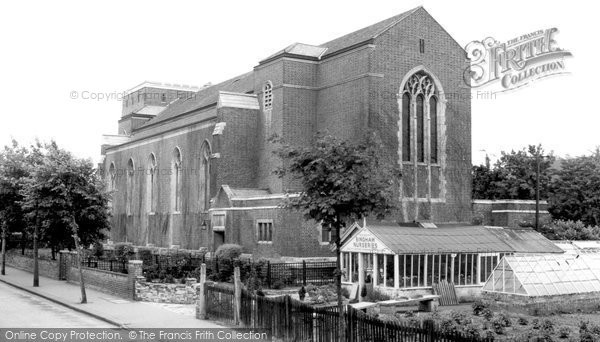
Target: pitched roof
x,y
207,96
463,239
365,34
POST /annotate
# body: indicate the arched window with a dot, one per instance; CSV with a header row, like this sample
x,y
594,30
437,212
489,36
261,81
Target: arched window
x,y
204,198
111,182
433,130
129,187
112,177
406,127
176,181
151,180
419,103
268,96
420,130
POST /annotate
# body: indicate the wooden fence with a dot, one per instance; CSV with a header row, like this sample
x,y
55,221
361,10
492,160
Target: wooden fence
x,y
291,320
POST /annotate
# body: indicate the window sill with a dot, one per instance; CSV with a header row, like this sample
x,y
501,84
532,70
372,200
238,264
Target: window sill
x,y
176,213
322,243
151,213
265,242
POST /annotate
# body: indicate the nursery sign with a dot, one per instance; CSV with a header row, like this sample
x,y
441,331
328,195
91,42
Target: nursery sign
x,y
365,242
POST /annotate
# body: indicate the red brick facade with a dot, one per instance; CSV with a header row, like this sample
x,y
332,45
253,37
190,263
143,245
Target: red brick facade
x,y
346,87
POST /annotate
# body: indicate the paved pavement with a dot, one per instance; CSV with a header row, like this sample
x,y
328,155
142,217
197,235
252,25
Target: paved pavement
x,y
18,306
110,309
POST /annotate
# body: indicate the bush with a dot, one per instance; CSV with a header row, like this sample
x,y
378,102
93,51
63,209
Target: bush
x,y
226,254
505,319
123,251
547,326
478,306
320,295
564,332
498,326
98,249
522,321
460,318
472,331
146,256
487,314
448,326
229,251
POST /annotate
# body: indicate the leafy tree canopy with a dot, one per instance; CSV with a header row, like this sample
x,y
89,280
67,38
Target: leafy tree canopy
x,y
64,192
341,181
575,189
513,176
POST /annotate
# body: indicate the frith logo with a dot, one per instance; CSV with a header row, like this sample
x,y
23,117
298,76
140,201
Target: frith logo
x,y
515,63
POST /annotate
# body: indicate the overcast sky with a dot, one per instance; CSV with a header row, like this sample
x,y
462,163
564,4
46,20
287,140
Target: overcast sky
x,y
52,48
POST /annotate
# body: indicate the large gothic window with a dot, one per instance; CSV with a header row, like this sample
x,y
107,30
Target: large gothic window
x,y
204,177
176,173
129,187
151,180
420,108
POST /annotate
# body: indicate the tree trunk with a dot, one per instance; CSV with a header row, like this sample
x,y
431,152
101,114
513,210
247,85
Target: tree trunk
x,y
338,280
3,271
75,230
36,269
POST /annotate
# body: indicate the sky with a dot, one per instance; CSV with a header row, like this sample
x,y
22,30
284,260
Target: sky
x,y
51,50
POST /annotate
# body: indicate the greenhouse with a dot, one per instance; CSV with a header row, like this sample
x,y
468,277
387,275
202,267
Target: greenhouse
x,y
545,275
415,257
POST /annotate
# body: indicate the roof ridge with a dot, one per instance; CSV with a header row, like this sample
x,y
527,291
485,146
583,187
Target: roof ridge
x,y
366,33
406,15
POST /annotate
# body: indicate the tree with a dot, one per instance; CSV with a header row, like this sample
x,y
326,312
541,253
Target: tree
x,y
14,167
570,230
575,189
514,175
340,182
64,191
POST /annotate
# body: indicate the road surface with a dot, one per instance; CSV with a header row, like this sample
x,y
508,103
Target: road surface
x,y
21,309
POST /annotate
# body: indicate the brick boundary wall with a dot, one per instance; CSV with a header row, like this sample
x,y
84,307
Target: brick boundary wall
x,y
117,284
166,293
47,268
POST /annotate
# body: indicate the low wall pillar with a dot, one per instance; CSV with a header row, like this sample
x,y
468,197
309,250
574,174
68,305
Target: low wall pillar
x,y
134,270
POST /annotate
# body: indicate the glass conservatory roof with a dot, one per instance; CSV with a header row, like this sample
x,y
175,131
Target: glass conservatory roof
x,y
545,275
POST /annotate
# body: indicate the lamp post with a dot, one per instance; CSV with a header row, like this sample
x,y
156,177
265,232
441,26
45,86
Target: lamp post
x,y
537,192
537,189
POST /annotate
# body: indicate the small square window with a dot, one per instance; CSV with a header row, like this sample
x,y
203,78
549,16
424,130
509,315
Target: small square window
x,y
264,231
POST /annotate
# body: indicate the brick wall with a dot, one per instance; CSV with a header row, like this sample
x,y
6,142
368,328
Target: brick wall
x,y
508,213
117,284
140,227
47,268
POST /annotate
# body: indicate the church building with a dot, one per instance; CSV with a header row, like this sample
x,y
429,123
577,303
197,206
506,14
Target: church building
x,y
193,167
